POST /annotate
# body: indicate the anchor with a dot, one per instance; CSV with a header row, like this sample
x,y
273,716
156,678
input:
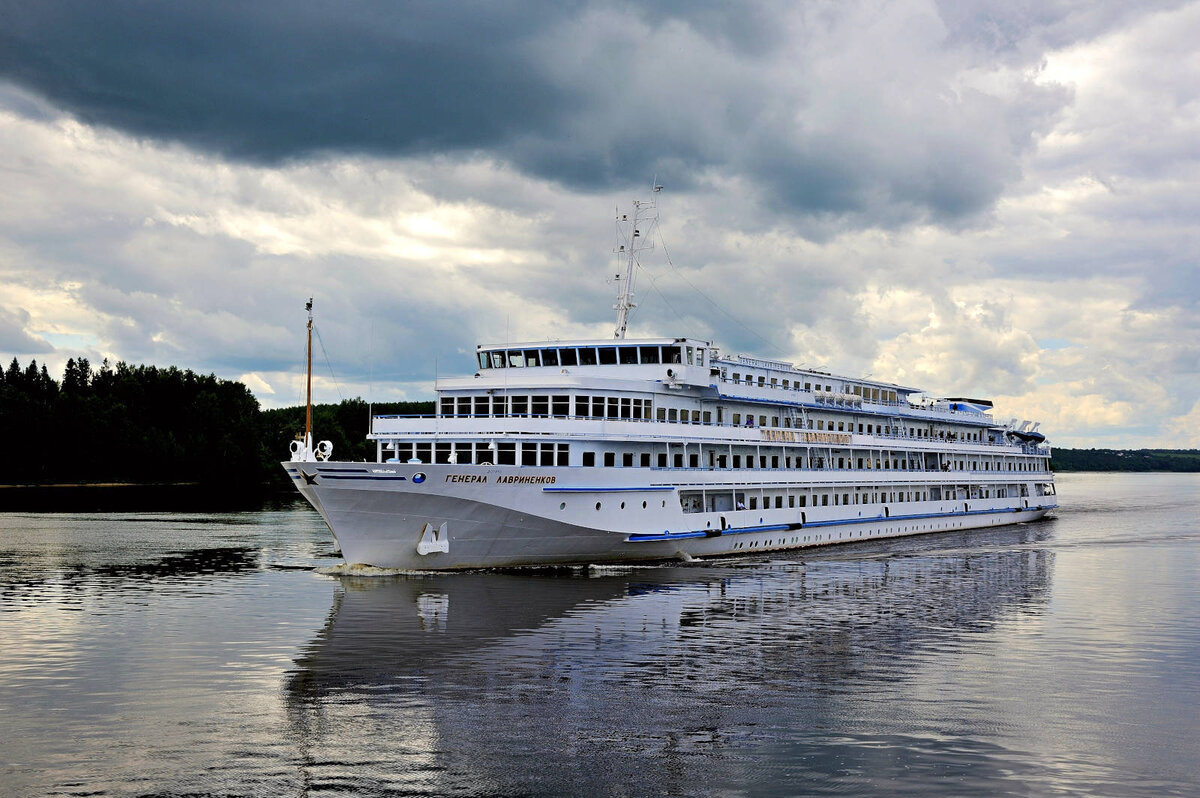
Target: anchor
x,y
433,540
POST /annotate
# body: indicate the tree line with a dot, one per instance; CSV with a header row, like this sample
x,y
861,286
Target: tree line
x,y
128,423
144,424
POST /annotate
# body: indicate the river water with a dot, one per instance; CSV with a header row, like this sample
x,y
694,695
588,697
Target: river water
x,y
202,654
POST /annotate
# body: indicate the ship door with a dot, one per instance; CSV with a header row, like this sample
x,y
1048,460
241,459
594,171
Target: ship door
x,y
724,523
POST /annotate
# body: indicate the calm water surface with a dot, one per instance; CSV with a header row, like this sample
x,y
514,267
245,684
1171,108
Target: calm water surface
x,y
200,654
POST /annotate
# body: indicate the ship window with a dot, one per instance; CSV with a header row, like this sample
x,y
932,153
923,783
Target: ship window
x,y
775,461
562,454
662,459
662,414
446,406
774,382
520,405
673,414
808,386
568,357
707,416
778,502
583,406
645,460
610,459
753,502
649,354
587,356
737,419
597,407
774,421
608,356
540,406
612,408
737,377
626,408
531,358
786,385
761,380
546,454
562,405
737,461
671,354
484,360
498,361
529,454
722,461
549,357
506,453
627,459
678,460
628,355
589,459
693,461
516,358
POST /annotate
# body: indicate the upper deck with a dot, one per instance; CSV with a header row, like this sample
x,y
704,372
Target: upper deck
x,y
692,367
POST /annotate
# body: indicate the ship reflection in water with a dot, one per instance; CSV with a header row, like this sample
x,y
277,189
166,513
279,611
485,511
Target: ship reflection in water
x,y
828,674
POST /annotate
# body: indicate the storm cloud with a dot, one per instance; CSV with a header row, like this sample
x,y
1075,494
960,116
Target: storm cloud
x,y
989,198
877,112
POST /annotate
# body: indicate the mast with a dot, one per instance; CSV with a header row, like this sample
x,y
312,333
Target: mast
x,y
637,240
308,392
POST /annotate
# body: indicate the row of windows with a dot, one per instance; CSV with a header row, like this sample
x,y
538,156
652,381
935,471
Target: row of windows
x,y
556,454
612,407
526,453
590,356
723,460
722,500
762,381
559,405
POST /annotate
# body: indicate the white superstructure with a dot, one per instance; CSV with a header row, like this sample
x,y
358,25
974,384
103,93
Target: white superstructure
x,y
610,450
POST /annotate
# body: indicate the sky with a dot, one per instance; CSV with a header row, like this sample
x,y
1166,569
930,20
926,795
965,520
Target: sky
x,y
992,199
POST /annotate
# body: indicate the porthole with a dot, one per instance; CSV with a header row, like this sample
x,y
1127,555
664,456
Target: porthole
x,y
622,505
664,504
597,505
562,505
643,505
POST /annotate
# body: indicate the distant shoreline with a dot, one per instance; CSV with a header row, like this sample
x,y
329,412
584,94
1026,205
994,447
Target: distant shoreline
x,y
135,496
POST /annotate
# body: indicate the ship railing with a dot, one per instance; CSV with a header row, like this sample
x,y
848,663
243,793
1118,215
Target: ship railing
x,y
1025,449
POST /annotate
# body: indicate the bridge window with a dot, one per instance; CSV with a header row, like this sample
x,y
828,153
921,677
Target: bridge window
x,y
671,354
587,356
549,357
628,355
608,356
649,354
568,357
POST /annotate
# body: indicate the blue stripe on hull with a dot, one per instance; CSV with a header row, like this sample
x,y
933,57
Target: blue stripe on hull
x,y
701,533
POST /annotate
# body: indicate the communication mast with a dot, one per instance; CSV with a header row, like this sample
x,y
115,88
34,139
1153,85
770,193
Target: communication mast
x,y
635,234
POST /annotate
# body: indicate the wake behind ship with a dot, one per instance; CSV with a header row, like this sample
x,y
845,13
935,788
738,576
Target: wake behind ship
x,y
620,450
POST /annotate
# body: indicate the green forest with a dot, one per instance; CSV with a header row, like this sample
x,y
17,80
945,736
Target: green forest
x,y
144,424
148,425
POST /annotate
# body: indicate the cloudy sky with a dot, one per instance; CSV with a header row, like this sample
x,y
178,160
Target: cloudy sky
x,y
995,198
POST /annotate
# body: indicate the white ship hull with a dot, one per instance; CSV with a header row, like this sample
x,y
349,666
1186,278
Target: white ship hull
x,y
466,517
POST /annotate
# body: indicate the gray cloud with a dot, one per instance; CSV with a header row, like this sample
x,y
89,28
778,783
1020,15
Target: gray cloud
x,y
14,339
845,113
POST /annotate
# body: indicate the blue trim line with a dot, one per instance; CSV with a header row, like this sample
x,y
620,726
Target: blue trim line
x,y
650,488
363,476
814,524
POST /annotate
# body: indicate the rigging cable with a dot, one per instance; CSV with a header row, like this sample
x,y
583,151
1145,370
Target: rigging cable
x,y
770,346
326,355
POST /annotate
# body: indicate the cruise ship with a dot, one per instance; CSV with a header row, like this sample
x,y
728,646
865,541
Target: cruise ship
x,y
621,450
